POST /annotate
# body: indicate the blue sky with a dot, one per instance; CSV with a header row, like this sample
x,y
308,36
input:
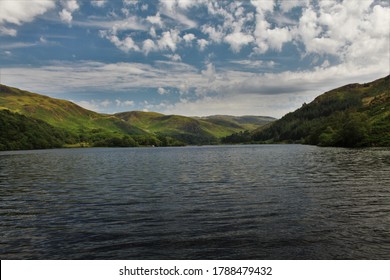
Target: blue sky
x,y
192,57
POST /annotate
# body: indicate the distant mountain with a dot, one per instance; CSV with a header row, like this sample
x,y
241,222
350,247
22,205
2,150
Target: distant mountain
x,y
192,130
354,115
77,126
241,123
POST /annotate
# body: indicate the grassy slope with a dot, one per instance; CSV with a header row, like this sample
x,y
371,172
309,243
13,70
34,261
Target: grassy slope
x,y
92,126
239,123
352,115
61,113
188,130
207,127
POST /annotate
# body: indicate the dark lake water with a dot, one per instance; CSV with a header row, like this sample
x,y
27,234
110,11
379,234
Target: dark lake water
x,y
218,202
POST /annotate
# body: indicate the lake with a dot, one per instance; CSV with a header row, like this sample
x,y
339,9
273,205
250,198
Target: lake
x,y
210,202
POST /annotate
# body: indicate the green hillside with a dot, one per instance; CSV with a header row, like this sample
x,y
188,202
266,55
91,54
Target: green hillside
x,y
192,130
239,123
61,113
88,128
350,116
19,132
185,129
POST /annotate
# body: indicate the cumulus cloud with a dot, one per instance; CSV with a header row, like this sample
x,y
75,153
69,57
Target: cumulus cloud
x,y
188,38
202,43
169,40
125,45
174,57
350,30
224,85
65,16
69,6
215,33
263,6
346,41
238,40
156,20
148,46
19,12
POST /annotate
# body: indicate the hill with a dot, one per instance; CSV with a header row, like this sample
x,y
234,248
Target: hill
x,y
241,123
88,128
61,113
20,132
192,130
354,115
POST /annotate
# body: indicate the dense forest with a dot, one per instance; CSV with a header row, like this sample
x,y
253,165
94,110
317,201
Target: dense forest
x,y
20,132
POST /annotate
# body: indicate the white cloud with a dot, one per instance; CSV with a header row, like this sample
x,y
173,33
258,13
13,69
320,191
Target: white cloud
x,y
277,37
174,57
215,34
202,43
98,3
105,103
8,31
256,64
209,73
128,103
238,40
169,40
176,9
189,37
19,12
161,91
148,46
144,7
355,31
66,16
286,6
263,6
130,2
125,45
89,105
125,103
69,7
237,91
17,45
156,20
114,26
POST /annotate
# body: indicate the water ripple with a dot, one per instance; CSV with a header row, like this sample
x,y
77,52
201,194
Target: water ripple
x,y
225,202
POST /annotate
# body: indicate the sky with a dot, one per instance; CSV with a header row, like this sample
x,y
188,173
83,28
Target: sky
x,y
192,57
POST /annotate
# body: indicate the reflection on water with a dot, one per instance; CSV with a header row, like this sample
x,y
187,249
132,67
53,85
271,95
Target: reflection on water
x,y
222,202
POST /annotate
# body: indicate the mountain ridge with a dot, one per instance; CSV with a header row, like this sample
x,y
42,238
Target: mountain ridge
x,y
89,128
353,115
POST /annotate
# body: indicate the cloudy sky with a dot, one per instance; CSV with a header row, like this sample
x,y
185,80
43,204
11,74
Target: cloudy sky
x,y
192,57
